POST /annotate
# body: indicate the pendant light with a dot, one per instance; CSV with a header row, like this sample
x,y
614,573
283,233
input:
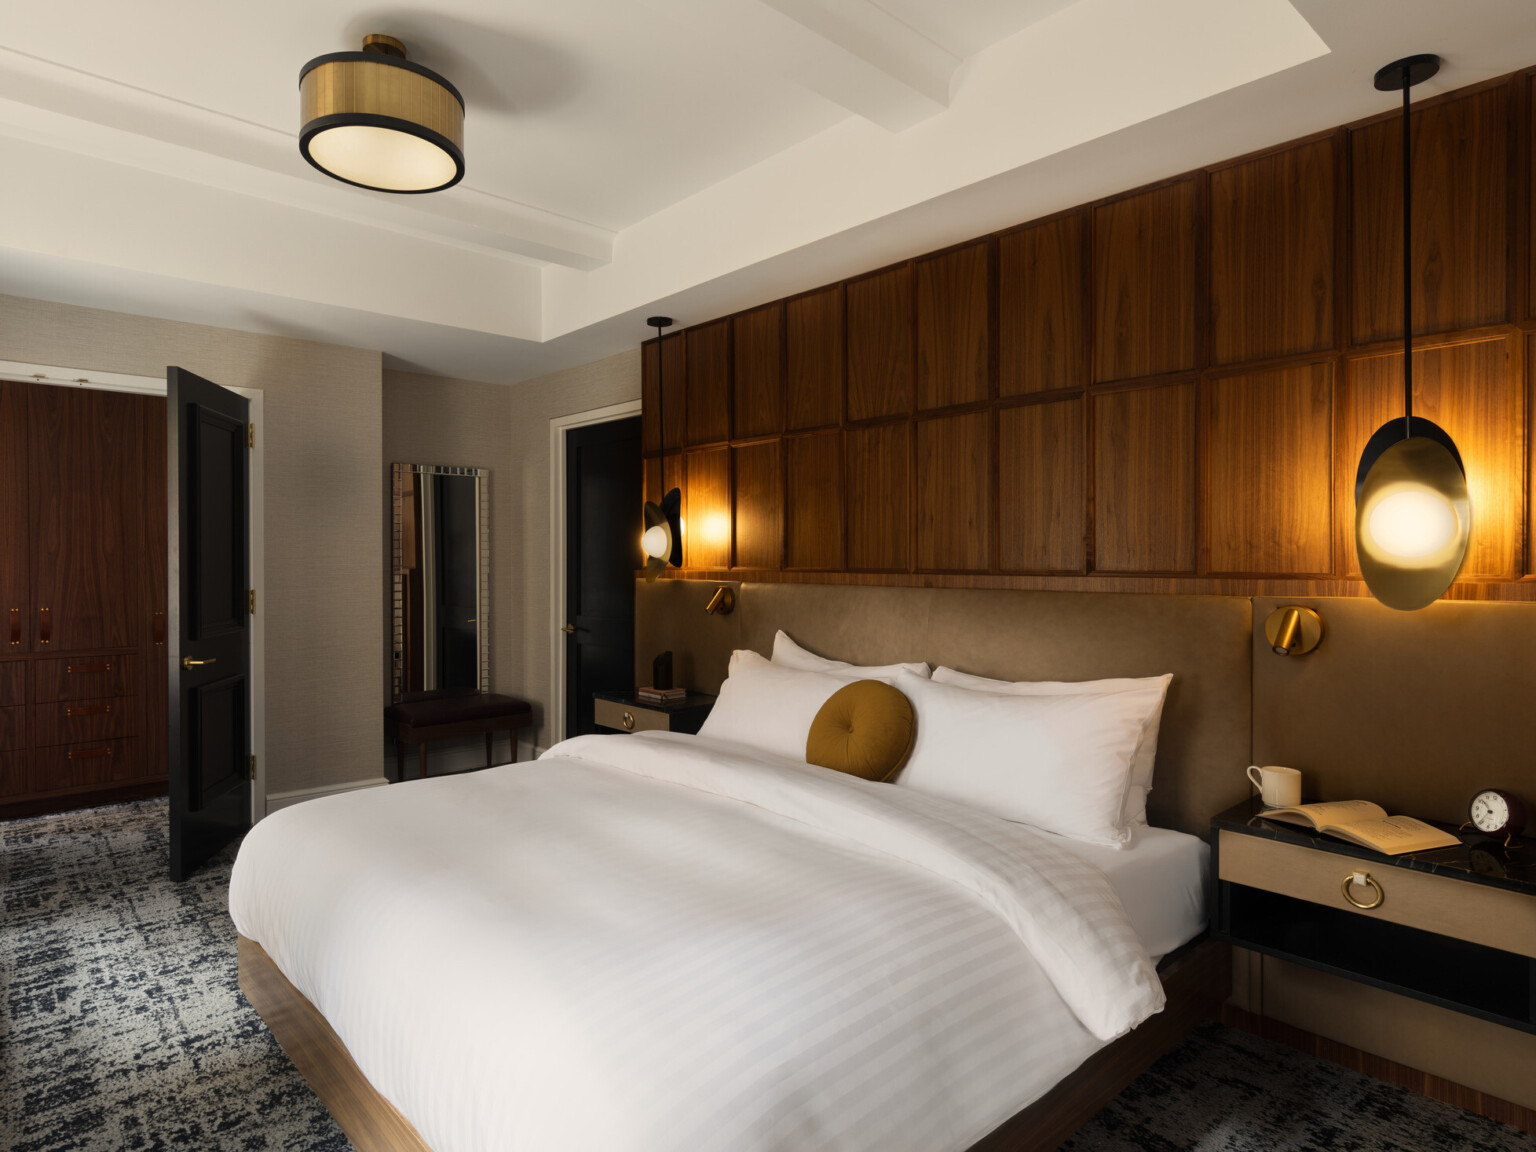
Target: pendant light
x,y
1412,516
662,540
376,120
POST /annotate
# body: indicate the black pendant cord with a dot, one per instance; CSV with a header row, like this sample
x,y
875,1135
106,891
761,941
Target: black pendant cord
x,y
1407,257
661,406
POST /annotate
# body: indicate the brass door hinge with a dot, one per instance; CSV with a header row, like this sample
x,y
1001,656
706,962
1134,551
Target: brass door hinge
x,y
252,601
250,435
250,769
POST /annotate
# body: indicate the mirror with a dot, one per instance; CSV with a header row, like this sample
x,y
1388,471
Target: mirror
x,y
441,565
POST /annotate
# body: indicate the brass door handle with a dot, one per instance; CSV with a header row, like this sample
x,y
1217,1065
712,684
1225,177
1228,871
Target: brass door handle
x,y
1369,881
44,626
15,625
567,628
188,662
629,721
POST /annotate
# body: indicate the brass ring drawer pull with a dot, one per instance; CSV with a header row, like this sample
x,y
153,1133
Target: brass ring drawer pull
x,y
1369,881
629,721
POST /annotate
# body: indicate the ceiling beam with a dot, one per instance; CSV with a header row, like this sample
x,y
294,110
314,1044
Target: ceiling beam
x,y
851,52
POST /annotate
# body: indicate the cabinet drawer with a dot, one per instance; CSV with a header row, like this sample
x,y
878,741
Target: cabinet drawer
x,y
13,682
1493,917
84,678
13,774
611,714
75,721
85,765
13,728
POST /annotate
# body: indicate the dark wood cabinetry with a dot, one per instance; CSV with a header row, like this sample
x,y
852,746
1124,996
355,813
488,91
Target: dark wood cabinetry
x,y
82,597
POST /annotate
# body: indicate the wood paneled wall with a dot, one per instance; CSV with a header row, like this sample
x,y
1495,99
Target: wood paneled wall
x,y
1167,390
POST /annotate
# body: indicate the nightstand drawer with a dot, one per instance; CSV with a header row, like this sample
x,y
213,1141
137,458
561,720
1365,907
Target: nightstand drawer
x,y
1479,913
630,717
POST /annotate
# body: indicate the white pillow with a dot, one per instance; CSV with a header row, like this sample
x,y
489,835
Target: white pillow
x,y
1146,758
768,707
1057,762
791,655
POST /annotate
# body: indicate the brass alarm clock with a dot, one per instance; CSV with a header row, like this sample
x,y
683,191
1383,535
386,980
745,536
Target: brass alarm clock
x,y
1494,812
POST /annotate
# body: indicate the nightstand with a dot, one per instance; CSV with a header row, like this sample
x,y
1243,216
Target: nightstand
x,y
1427,925
623,712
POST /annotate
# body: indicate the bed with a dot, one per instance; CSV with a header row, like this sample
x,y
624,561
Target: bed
x,y
657,941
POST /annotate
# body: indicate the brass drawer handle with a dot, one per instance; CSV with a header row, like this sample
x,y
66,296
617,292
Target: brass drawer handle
x,y
15,626
44,626
629,721
1369,881
89,753
89,710
103,667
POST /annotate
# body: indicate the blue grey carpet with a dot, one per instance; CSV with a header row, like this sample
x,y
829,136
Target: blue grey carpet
x,y
122,1027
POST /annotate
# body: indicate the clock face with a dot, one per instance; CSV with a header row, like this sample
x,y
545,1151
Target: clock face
x,y
1490,812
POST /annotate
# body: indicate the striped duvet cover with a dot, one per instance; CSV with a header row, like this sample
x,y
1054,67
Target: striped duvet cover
x,y
656,943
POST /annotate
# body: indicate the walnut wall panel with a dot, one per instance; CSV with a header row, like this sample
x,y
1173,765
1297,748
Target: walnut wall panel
x,y
1144,479
954,486
879,533
707,403
1043,307
1272,255
1269,456
815,501
757,381
1460,218
953,328
657,409
707,518
1144,283
760,504
879,325
1165,390
1042,490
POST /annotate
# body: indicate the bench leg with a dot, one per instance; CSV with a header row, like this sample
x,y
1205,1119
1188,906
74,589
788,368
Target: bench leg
x,y
423,747
490,746
399,760
512,735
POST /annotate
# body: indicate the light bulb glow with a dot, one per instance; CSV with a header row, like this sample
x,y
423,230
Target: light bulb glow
x,y
1412,523
717,528
654,542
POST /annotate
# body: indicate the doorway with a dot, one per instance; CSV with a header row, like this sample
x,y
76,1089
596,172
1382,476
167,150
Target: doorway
x,y
596,500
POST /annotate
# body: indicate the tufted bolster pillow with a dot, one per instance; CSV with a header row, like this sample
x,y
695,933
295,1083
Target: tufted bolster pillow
x,y
865,729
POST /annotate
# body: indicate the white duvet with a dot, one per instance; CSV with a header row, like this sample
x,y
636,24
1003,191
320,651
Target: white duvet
x,y
657,943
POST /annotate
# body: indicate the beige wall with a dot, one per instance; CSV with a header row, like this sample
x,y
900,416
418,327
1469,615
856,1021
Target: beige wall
x,y
323,525
432,420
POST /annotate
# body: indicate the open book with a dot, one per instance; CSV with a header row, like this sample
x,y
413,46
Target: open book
x,y
1361,822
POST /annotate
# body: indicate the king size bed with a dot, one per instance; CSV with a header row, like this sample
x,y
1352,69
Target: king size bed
x,y
657,942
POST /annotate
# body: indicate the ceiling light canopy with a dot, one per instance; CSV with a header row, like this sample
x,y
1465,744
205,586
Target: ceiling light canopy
x,y
376,120
1413,518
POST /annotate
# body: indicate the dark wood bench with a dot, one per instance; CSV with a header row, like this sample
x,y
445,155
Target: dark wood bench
x,y
421,717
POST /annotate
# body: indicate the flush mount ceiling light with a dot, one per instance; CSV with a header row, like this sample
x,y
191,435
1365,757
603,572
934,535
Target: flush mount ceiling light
x,y
376,120
1412,516
662,540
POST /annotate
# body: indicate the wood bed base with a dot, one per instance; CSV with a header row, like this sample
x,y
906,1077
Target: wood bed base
x,y
1197,979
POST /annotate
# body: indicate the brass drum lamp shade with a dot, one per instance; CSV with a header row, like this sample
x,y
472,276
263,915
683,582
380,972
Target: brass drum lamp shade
x,y
376,120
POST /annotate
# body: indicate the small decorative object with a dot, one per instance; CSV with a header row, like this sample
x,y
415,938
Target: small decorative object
x,y
1293,630
661,671
1494,812
662,540
1278,787
380,121
1412,515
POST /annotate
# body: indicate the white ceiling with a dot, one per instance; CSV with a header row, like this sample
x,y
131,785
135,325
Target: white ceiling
x,y
625,155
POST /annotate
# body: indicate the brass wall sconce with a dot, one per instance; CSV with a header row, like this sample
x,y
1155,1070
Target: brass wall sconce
x,y
722,602
1293,630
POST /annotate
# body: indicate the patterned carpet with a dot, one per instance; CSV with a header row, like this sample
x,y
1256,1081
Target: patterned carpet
x,y
122,1028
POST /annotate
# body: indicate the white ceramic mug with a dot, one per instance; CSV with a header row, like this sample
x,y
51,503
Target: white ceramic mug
x,y
1278,787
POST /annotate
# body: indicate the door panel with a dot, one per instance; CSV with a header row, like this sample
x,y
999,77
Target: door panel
x,y
80,471
15,603
603,521
207,462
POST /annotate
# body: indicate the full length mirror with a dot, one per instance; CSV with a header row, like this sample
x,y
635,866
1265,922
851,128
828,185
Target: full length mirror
x,y
441,565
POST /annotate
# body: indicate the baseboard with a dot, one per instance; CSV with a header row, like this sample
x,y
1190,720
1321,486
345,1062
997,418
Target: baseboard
x,y
1390,1071
276,800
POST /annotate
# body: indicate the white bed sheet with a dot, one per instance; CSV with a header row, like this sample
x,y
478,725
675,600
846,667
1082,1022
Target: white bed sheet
x,y
644,943
1162,879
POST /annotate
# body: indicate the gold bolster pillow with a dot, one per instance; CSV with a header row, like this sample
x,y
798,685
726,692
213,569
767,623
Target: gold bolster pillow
x,y
865,729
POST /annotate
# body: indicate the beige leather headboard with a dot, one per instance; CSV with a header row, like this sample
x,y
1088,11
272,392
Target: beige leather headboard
x,y
1203,640
1414,710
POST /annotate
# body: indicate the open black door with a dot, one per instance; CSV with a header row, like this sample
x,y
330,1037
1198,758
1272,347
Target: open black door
x,y
208,454
602,533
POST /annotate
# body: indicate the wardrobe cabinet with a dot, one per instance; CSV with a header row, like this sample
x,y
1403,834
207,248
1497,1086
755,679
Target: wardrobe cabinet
x,y
83,675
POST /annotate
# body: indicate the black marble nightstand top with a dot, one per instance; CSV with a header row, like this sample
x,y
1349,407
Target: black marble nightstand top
x,y
631,700
1517,862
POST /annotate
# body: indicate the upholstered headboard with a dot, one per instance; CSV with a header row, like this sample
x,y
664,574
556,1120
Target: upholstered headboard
x,y
1203,640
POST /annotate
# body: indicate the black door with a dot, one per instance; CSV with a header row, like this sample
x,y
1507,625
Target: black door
x,y
602,532
210,726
